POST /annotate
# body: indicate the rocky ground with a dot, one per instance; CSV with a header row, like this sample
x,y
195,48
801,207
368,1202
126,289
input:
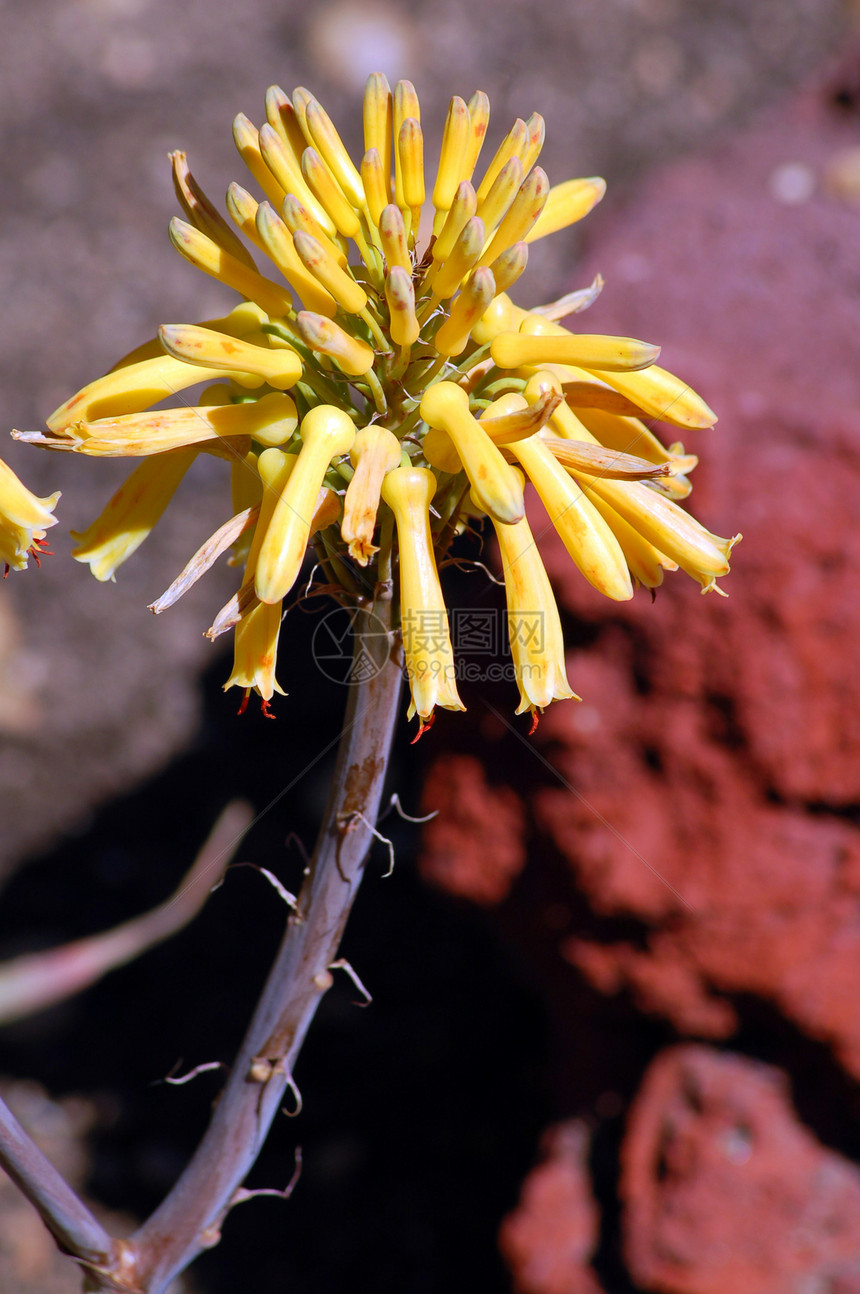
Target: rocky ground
x,y
680,862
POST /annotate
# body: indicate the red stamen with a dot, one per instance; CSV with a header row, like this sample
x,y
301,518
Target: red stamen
x,y
426,725
244,706
265,706
535,722
6,571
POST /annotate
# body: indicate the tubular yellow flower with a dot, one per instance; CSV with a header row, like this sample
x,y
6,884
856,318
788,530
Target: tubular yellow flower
x,y
281,116
515,350
375,452
479,119
397,321
333,153
496,487
329,194
201,212
406,107
508,267
327,432
514,144
400,297
246,137
280,246
280,366
567,203
377,114
287,170
466,309
537,135
375,186
455,142
213,260
534,626
501,194
521,215
353,355
464,255
132,513
582,530
297,217
320,260
392,235
134,387
255,652
24,518
410,150
463,208
424,619
271,420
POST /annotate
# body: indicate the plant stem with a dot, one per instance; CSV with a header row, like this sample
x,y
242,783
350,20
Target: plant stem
x,y
189,1219
66,1216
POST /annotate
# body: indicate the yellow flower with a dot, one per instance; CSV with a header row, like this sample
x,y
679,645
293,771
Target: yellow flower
x,y
424,619
24,518
377,384
534,625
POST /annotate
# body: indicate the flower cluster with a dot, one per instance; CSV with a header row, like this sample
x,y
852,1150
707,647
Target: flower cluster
x,y
380,390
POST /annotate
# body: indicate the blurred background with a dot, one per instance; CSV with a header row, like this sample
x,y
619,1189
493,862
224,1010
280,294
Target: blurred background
x,y
614,1044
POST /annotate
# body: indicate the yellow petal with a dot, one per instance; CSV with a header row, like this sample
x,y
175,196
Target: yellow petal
x,y
280,245
213,260
331,149
130,390
424,619
466,310
567,203
280,366
463,208
400,297
375,452
501,194
353,355
445,406
515,350
479,118
514,144
202,213
464,255
326,433
521,216
584,533
132,513
321,262
455,140
392,234
329,194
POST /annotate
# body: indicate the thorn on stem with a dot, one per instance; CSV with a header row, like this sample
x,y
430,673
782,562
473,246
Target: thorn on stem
x,y
343,964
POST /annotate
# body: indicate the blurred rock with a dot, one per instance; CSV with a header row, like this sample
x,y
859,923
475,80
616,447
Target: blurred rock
x,y
550,1237
717,765
474,849
724,1189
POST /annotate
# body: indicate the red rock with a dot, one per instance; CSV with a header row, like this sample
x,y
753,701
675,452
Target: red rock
x,y
707,786
724,1190
474,848
549,1238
